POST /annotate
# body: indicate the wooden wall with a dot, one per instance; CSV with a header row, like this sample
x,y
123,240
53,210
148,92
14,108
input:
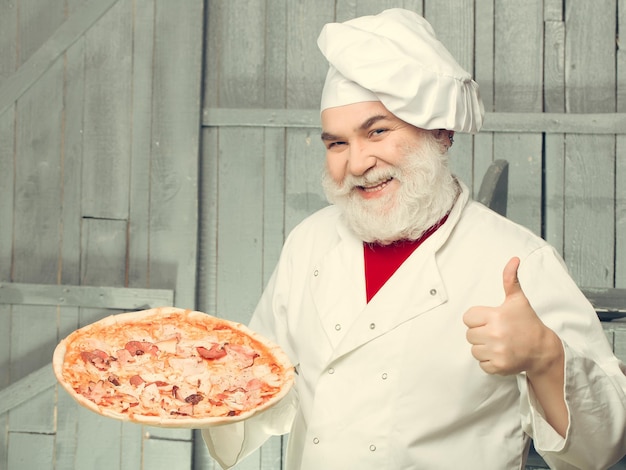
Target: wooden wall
x,y
161,150
99,139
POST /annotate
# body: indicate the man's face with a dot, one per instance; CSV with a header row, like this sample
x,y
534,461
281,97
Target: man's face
x,y
363,140
390,178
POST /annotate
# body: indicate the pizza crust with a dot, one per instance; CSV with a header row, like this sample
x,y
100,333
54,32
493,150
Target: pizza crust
x,y
68,348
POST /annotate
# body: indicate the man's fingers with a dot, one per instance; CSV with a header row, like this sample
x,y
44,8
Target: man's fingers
x,y
510,282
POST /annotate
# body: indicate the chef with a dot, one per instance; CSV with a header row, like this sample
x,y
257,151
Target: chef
x,y
427,331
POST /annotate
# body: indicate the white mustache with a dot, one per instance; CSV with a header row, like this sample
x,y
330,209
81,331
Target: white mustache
x,y
373,177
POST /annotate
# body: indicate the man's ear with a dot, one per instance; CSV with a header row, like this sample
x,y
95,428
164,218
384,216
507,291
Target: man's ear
x,y
444,137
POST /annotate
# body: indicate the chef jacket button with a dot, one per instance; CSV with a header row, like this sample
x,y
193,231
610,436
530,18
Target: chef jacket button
x,y
433,292
372,447
338,327
316,273
316,440
384,376
372,326
331,371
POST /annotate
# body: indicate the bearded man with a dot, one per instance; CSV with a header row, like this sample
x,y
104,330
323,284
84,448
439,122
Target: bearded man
x,y
427,331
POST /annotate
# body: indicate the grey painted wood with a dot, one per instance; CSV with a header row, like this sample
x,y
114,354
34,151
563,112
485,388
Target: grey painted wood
x,y
107,115
554,102
518,87
512,122
620,159
589,221
38,63
97,179
84,296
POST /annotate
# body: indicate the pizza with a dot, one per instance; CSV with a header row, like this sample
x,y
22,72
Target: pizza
x,y
172,367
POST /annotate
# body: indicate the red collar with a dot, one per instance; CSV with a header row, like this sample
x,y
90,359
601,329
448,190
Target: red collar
x,y
381,261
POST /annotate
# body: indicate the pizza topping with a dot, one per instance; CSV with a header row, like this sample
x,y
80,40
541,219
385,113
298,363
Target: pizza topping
x,y
136,380
216,351
137,348
123,356
194,398
173,368
114,380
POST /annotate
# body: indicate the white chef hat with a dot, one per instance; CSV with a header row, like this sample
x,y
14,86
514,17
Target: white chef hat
x,y
395,58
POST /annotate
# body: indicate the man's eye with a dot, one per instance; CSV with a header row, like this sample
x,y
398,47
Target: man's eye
x,y
377,132
335,144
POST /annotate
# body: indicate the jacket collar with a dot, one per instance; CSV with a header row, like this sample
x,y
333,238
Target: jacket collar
x,y
416,287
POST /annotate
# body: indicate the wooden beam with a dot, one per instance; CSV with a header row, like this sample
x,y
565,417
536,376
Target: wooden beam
x,y
85,296
66,35
560,123
606,299
26,388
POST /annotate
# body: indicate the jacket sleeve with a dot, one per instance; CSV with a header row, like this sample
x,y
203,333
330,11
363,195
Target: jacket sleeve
x,y
595,383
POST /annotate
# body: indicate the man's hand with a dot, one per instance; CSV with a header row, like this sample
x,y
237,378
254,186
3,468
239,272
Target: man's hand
x,y
510,338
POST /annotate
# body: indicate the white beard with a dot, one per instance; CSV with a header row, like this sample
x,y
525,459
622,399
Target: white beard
x,y
426,193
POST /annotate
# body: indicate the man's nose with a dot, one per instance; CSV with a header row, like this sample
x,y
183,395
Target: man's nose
x,y
361,159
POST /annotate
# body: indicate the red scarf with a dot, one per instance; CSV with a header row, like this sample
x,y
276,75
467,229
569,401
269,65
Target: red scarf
x,y
381,261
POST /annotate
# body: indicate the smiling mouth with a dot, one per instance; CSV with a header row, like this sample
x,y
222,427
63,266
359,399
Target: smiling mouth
x,y
377,187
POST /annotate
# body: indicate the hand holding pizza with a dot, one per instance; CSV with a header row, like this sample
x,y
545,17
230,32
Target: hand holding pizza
x,y
510,338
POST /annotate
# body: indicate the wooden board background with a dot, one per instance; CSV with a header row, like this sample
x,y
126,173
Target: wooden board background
x,y
99,139
163,144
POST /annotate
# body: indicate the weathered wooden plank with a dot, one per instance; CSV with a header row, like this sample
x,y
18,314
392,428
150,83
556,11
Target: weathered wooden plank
x,y
71,163
8,39
554,144
141,144
132,447
616,333
208,222
483,153
37,22
453,22
26,388
33,338
37,203
5,376
590,160
107,111
162,453
306,66
98,442
518,87
174,159
241,163
84,296
273,199
606,299
70,31
274,140
620,156
66,422
30,450
306,72
549,123
589,214
348,9
103,252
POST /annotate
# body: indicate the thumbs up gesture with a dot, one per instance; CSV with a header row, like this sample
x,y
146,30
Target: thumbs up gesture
x,y
510,338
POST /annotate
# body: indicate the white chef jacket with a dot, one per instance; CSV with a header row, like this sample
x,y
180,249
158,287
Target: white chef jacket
x,y
392,384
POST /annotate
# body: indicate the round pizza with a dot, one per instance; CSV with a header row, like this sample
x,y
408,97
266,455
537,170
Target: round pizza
x,y
171,367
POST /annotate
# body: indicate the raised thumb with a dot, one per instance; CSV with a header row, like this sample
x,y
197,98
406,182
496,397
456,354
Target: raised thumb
x,y
510,282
